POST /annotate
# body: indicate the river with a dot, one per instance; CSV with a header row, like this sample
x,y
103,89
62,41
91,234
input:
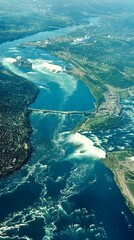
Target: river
x,y
63,192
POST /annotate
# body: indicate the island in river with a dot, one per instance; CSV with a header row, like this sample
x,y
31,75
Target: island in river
x,y
16,95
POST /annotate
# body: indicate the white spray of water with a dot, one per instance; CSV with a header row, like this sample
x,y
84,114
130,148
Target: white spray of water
x,y
85,147
43,72
43,65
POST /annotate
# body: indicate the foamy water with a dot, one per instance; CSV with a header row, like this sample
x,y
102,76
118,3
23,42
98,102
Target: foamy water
x,y
43,65
85,147
42,72
9,61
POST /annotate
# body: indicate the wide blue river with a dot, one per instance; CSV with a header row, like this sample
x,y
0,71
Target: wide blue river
x,y
63,192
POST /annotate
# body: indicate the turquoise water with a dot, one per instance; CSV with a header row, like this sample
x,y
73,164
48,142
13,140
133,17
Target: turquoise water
x,y
60,194
56,101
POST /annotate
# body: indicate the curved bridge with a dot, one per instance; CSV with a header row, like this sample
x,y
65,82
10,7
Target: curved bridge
x,y
60,112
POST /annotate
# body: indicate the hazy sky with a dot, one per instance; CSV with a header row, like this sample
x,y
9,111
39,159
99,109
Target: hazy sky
x,y
12,3
110,1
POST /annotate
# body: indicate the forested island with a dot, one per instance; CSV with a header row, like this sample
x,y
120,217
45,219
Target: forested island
x,y
16,95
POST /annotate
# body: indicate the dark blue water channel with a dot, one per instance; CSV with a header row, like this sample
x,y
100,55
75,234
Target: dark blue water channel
x,y
54,196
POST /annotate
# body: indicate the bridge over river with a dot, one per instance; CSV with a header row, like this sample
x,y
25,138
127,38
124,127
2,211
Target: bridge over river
x,y
60,111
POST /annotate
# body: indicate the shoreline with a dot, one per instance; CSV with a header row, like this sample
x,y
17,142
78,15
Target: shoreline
x,y
129,199
15,127
115,162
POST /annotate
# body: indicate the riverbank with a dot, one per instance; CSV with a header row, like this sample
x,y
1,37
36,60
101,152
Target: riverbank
x,y
107,105
15,129
121,163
